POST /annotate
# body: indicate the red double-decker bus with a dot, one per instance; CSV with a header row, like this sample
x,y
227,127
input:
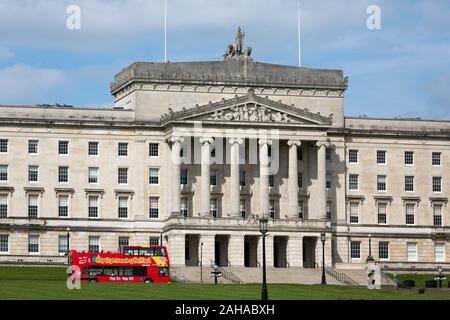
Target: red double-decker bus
x,y
133,264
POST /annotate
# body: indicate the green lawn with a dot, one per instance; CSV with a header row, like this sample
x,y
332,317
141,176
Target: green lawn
x,y
50,283
420,279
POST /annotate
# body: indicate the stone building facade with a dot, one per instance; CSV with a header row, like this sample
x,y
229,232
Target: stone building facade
x,y
193,153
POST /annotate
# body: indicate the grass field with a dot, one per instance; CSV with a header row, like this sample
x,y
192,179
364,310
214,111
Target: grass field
x,y
420,279
50,283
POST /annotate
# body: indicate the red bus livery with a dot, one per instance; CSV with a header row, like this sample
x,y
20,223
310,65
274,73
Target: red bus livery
x,y
133,264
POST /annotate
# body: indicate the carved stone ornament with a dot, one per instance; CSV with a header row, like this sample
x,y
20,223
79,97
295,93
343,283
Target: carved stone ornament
x,y
254,113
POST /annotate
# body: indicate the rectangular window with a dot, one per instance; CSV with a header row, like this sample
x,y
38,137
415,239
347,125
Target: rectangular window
x,y
184,177
411,251
33,173
383,250
437,215
33,243
154,208
94,244
122,176
93,148
409,183
381,183
301,210
154,241
272,209
93,175
3,206
355,249
329,206
409,158
299,154
33,206
63,206
153,150
122,149
271,180
123,207
382,213
381,157
3,146
410,213
353,156
354,212
63,147
439,252
213,177
62,244
213,210
33,146
184,207
436,159
242,178
4,243
153,176
328,181
63,174
3,173
269,151
353,182
243,208
123,241
328,154
437,184
93,206
300,179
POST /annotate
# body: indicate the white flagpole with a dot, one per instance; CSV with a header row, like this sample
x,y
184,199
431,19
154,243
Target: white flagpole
x,y
299,38
165,30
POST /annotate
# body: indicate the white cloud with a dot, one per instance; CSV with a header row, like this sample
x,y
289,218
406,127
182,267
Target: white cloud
x,y
26,85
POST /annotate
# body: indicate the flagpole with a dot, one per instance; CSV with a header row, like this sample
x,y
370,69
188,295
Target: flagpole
x,y
165,30
299,37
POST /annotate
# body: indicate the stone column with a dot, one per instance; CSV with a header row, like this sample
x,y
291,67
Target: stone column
x,y
208,251
269,251
235,194
295,251
320,208
264,176
205,196
176,171
293,179
176,247
236,250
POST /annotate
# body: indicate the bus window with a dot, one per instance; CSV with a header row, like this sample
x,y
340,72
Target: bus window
x,y
95,271
128,252
111,271
139,271
126,271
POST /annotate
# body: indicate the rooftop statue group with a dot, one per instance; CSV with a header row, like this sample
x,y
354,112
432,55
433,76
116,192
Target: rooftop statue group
x,y
235,50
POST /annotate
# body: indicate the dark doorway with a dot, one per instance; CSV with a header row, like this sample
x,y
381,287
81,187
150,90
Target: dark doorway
x,y
280,252
251,251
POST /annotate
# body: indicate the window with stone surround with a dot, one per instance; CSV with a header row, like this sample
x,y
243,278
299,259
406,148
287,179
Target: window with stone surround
x,y
411,251
122,176
94,244
410,213
62,244
409,158
3,145
4,243
271,180
33,243
353,182
123,207
33,206
214,210
154,208
436,159
184,207
93,206
153,150
300,179
381,157
329,206
3,206
154,241
353,156
272,209
437,215
63,206
122,149
242,178
213,177
93,175
328,155
328,180
93,148
243,208
301,210
184,177
354,212
439,252
3,173
355,249
153,176
33,146
382,183
409,183
123,242
63,174
382,213
383,250
33,173
437,184
63,147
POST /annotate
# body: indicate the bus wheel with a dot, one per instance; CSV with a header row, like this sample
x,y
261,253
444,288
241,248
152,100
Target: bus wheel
x,y
148,281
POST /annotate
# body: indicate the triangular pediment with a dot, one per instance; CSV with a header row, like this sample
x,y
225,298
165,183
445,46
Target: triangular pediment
x,y
249,108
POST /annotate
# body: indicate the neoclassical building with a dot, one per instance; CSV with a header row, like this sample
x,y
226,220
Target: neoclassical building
x,y
194,152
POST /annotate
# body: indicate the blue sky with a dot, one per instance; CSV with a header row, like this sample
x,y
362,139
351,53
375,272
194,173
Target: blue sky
x,y
403,69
